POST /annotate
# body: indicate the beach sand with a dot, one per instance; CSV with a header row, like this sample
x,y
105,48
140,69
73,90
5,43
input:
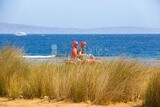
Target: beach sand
x,y
4,102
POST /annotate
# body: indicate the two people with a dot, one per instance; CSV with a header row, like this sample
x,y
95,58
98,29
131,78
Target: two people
x,y
81,53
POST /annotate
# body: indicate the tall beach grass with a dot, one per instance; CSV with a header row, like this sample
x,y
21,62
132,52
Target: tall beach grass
x,y
118,80
13,70
152,97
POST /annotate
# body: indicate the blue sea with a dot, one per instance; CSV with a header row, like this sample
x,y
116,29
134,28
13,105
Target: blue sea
x,y
107,45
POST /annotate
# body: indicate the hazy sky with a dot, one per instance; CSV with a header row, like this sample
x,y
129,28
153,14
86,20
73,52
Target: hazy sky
x,y
82,13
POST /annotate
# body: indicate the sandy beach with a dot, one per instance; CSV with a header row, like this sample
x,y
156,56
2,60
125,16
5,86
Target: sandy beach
x,y
4,102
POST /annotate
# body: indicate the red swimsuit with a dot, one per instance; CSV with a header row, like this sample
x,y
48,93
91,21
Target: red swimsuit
x,y
74,52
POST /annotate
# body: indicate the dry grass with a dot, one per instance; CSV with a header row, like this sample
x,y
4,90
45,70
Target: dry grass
x,y
114,81
152,98
13,71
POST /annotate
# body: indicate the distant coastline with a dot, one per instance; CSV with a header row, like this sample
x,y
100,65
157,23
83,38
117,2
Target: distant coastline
x,y
7,28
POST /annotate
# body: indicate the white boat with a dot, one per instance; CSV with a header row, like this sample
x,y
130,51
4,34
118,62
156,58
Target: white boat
x,y
21,34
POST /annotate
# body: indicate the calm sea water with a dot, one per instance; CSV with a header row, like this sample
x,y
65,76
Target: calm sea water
x,y
145,46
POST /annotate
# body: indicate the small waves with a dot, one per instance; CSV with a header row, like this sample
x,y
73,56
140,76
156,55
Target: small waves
x,y
39,57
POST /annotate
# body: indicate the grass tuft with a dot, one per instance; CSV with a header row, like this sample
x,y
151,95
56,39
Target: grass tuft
x,y
152,97
13,70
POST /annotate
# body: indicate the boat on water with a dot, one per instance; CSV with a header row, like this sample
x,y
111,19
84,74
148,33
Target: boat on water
x,y
21,34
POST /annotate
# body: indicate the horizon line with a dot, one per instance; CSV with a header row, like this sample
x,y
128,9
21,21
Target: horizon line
x,y
79,27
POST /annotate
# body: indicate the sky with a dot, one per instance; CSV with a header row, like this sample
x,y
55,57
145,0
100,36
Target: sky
x,y
81,13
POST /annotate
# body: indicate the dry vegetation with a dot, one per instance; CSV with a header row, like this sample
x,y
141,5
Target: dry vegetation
x,y
152,97
114,81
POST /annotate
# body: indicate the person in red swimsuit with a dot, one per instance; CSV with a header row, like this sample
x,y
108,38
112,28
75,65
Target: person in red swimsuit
x,y
74,52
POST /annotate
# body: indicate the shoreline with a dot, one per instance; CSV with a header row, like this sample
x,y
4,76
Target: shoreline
x,y
146,61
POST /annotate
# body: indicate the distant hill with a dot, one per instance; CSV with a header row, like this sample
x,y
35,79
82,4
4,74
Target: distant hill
x,y
6,28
